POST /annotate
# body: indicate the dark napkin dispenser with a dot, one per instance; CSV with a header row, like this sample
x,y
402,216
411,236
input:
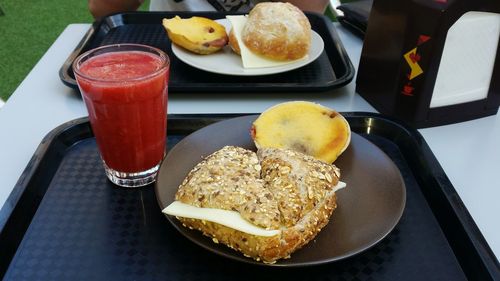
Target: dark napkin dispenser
x,y
432,62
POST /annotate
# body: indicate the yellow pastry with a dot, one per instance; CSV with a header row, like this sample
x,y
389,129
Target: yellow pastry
x,y
196,34
303,126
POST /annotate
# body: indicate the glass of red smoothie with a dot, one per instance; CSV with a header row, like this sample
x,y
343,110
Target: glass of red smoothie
x,y
125,89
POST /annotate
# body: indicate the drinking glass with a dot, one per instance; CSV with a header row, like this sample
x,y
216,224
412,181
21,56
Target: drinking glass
x,y
125,90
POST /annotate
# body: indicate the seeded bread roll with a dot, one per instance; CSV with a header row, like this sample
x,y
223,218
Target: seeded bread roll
x,y
277,31
275,189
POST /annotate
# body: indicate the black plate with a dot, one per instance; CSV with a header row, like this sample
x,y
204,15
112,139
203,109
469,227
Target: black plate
x,y
368,209
331,70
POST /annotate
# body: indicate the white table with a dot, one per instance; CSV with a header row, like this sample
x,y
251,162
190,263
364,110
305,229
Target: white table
x,y
469,152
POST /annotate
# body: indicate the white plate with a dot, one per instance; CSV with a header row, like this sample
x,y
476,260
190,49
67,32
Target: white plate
x,y
229,63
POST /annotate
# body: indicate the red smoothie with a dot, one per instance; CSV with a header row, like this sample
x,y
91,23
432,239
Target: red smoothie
x,y
126,97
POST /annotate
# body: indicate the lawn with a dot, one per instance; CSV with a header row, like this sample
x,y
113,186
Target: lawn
x,y
27,29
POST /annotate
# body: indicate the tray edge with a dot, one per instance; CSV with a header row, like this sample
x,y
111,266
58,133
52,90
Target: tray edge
x,y
377,123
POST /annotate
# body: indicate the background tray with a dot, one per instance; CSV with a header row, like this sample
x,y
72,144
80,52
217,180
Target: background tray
x,y
331,70
65,220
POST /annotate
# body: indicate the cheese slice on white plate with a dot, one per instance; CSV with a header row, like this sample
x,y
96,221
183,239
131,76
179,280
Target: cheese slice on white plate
x,y
231,219
250,59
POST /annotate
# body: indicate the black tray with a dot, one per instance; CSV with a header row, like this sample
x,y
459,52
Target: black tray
x,y
331,70
65,220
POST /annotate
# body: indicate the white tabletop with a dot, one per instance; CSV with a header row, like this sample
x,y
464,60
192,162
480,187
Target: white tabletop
x,y
469,152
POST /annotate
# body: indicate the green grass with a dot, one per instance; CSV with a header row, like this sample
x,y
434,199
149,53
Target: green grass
x,y
28,29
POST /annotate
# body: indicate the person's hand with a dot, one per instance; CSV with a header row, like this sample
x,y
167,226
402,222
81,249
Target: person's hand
x,y
101,8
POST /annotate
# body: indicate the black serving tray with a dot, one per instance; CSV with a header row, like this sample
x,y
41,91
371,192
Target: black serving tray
x,y
331,70
65,221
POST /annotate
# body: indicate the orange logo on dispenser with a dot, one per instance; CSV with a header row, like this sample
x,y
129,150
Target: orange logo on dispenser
x,y
412,58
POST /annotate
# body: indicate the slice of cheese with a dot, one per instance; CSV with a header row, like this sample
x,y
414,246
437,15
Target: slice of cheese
x,y
231,219
227,218
339,185
250,59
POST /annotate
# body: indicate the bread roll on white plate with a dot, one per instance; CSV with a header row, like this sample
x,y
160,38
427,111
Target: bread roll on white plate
x,y
275,30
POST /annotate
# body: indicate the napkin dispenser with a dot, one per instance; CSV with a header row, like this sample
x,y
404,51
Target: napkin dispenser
x,y
432,62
